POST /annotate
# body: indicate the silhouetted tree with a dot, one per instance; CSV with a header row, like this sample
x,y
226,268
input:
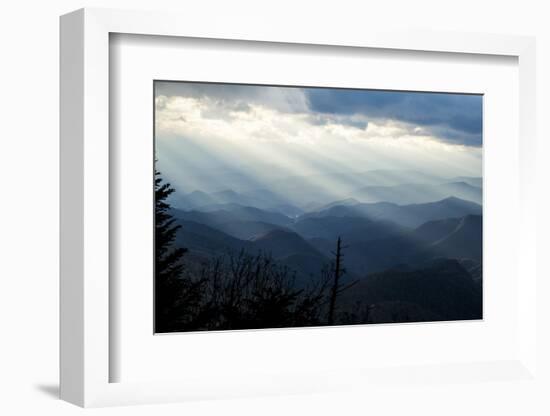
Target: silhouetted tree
x,y
176,298
337,288
254,291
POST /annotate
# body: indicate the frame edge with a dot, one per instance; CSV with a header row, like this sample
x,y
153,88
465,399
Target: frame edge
x,y
71,154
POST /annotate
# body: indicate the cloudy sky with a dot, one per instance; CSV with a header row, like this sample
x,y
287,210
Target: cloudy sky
x,y
219,136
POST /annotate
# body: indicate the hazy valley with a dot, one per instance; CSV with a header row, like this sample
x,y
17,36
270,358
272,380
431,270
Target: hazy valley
x,y
409,249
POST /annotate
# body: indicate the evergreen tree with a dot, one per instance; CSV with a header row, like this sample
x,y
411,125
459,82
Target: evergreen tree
x,y
175,295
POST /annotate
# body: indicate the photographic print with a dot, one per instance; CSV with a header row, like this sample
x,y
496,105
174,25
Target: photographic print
x,y
287,206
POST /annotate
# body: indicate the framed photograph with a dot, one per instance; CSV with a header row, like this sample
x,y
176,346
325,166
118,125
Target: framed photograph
x,y
277,212
284,207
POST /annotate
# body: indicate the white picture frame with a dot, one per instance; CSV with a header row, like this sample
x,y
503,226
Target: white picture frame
x,y
85,216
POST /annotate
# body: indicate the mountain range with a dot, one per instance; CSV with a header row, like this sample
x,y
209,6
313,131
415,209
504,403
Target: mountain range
x,y
377,236
294,196
413,248
411,215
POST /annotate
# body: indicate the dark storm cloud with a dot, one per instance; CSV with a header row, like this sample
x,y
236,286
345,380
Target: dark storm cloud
x,y
456,118
453,118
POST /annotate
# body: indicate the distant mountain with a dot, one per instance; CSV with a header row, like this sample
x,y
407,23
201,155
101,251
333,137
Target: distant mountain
x,y
277,242
225,213
247,230
432,231
286,247
192,200
266,199
418,193
443,289
294,195
263,199
207,241
466,240
290,249
377,236
351,229
345,202
451,238
470,180
412,239
461,190
283,243
315,190
286,209
412,215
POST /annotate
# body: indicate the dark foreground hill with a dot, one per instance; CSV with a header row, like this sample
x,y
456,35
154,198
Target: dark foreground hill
x,y
441,290
410,285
